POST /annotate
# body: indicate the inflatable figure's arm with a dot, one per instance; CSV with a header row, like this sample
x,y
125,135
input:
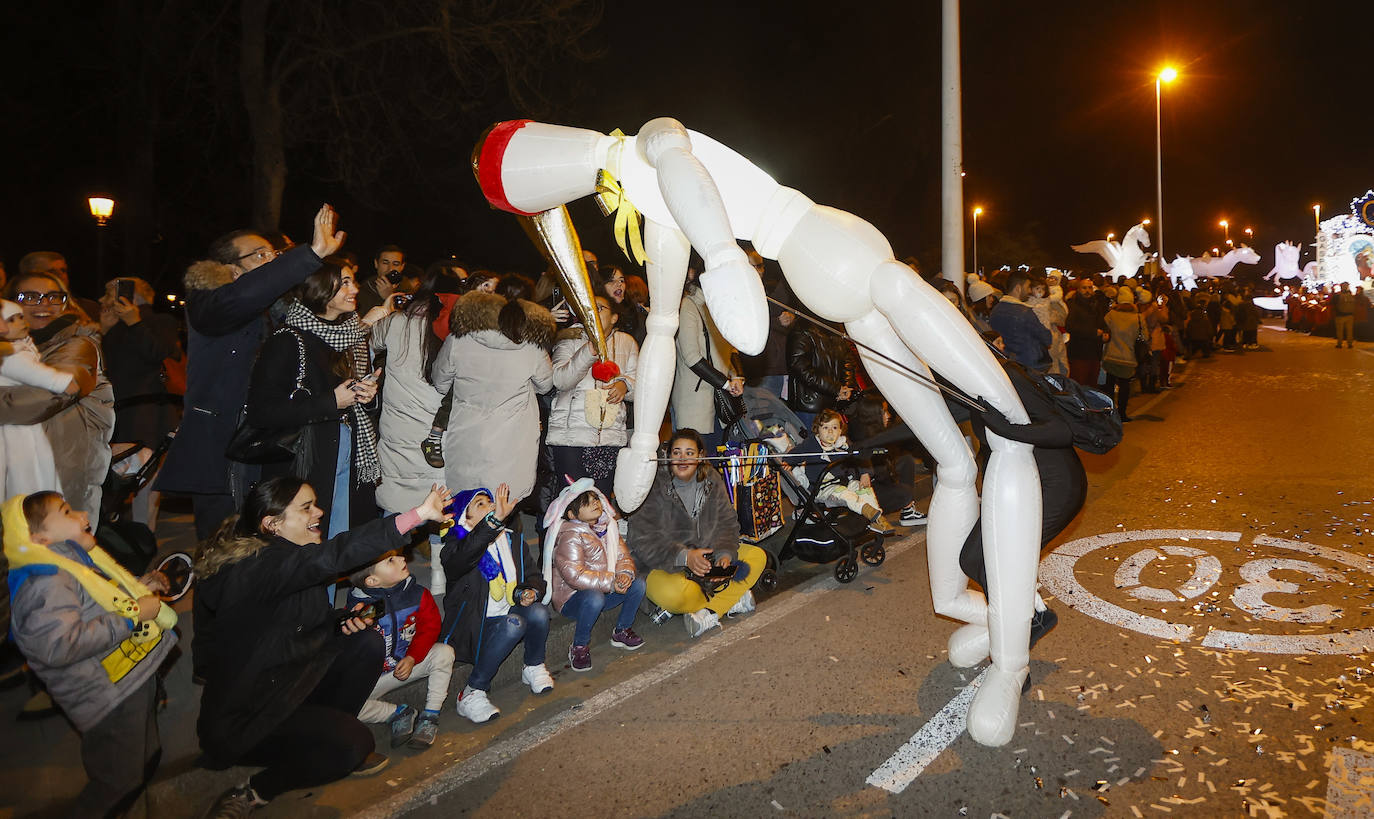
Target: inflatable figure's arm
x,y
734,293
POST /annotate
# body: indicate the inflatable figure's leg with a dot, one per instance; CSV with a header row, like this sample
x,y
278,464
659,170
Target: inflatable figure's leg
x,y
734,293
935,331
954,506
668,252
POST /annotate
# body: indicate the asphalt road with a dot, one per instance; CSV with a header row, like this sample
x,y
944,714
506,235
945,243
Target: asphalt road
x,y
1139,704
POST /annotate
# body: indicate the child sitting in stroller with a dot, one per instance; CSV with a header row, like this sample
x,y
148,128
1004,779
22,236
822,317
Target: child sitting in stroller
x,y
851,487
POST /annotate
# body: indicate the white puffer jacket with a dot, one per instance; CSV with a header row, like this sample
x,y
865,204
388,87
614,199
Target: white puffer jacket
x,y
573,355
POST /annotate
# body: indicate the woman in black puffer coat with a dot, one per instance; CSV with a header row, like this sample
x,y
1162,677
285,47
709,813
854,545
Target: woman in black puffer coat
x,y
314,374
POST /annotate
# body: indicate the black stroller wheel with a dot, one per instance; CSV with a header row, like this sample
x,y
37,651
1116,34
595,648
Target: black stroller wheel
x,y
179,570
846,569
873,553
768,580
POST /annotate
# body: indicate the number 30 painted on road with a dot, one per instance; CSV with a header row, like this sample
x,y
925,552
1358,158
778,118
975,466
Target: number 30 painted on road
x,y
1057,574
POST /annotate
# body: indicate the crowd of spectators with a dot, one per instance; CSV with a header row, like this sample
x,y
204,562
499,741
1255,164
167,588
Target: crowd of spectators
x,y
430,416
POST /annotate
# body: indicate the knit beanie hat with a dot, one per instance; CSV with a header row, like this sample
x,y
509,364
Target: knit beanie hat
x,y
979,290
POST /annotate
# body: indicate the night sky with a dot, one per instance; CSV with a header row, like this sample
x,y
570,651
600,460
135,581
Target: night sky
x,y
1273,112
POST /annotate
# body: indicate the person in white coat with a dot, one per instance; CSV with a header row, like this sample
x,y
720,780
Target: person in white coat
x,y
705,362
495,361
409,403
587,420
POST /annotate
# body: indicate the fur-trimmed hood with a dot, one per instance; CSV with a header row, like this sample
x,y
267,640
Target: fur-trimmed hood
x,y
207,275
475,312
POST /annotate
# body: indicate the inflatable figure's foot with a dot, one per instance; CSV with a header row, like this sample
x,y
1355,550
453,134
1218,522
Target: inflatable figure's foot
x,y
968,646
992,716
634,475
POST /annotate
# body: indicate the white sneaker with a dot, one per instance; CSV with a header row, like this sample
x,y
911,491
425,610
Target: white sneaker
x,y
700,622
538,678
742,606
474,705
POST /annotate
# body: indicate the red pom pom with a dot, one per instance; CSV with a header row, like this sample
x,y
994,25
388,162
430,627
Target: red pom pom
x,y
605,370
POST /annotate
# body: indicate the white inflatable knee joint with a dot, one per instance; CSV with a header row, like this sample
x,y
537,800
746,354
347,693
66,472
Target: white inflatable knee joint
x,y
661,135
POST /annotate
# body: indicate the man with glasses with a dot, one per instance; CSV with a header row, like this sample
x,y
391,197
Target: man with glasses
x,y
385,280
227,296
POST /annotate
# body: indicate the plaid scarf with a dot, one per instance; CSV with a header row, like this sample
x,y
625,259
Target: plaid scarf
x,y
347,336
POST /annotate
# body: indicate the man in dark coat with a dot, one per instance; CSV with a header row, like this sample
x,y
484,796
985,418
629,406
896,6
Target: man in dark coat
x,y
226,298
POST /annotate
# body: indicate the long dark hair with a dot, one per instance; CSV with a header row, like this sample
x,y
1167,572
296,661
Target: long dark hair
x,y
241,536
425,305
319,287
513,287
689,434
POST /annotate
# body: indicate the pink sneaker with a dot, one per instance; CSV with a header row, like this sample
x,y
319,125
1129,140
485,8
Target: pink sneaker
x,y
626,638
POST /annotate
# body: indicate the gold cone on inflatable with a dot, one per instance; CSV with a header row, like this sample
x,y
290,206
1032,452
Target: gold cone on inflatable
x,y
553,233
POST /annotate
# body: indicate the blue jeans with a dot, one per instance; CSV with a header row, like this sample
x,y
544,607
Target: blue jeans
x,y
586,605
343,470
499,636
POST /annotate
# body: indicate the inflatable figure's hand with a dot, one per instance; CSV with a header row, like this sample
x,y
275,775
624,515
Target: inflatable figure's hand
x,y
735,297
634,475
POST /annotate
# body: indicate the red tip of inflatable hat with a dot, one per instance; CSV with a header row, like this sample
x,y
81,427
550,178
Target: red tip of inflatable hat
x,y
486,163
605,370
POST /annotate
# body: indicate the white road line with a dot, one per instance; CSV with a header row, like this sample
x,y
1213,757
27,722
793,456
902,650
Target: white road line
x,y
948,724
500,753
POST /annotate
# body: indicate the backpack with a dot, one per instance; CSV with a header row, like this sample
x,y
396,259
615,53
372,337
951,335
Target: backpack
x,y
1091,415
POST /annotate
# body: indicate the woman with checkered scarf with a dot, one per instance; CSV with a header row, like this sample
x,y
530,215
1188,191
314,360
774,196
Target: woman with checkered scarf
x,y
314,373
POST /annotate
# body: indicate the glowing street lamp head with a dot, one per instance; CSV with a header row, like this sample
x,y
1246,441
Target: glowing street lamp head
x,y
1223,223
1144,221
978,211
1168,74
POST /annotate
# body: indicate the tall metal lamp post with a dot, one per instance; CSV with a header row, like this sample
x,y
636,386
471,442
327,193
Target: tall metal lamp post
x,y
101,209
1168,74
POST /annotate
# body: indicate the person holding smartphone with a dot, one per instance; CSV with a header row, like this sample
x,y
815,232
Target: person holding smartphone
x,y
136,341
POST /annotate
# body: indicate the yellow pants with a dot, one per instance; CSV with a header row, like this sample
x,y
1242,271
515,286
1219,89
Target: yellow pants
x,y
674,593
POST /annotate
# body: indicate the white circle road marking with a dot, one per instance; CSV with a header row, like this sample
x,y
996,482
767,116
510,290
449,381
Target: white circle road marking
x,y
1057,575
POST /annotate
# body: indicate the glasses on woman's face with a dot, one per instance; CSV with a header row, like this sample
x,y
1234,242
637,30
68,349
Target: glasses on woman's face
x,y
35,297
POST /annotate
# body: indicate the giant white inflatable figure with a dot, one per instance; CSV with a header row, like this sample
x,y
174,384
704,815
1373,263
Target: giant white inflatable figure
x,y
1126,256
1213,267
1180,272
696,193
1285,262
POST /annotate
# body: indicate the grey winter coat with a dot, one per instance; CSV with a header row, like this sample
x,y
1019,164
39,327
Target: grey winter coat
x,y
409,403
573,356
663,528
692,401
63,634
493,427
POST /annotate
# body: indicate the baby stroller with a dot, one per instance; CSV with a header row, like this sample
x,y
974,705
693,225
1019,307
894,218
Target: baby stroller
x,y
824,534
130,543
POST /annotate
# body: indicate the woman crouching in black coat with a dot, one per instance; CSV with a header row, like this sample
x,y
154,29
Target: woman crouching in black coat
x,y
285,672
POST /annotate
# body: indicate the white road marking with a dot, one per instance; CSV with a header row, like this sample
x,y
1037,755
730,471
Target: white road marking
x,y
1057,575
948,724
500,753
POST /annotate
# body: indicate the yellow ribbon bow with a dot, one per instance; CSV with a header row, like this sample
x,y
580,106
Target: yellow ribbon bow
x,y
611,198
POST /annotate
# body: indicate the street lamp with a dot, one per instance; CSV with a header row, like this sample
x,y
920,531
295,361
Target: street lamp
x,y
1249,235
977,211
1110,235
1317,216
101,209
1168,74
1226,226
